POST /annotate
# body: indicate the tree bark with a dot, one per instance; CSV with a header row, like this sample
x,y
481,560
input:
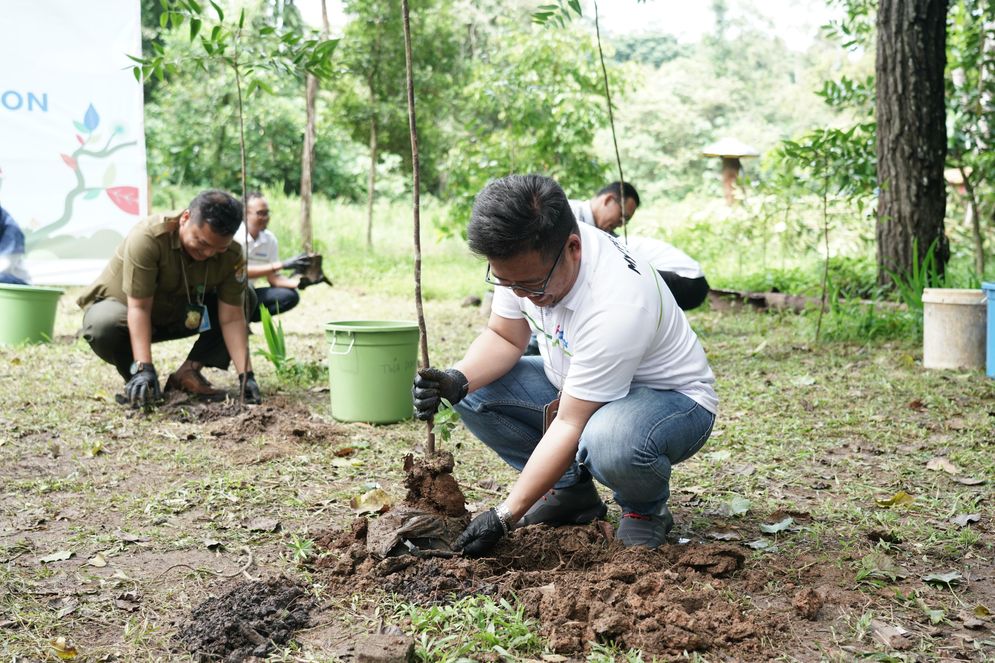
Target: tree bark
x,y
911,134
371,186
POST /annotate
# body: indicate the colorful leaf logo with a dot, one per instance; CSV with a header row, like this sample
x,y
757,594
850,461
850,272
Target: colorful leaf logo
x,y
69,161
125,197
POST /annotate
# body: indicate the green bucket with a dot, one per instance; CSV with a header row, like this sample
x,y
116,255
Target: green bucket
x,y
371,364
27,313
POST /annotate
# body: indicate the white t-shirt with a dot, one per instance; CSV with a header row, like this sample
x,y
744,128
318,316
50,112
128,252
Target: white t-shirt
x,y
618,327
262,250
664,257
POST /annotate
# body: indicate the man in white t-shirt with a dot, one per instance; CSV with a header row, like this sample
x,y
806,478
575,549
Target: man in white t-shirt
x,y
262,251
681,273
622,390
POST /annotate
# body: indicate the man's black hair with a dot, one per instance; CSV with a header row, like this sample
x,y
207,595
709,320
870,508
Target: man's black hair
x,y
252,195
615,188
520,213
218,209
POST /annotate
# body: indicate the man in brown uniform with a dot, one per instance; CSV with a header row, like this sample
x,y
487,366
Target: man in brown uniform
x,y
175,275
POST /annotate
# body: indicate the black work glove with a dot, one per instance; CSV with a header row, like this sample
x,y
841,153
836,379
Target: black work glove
x,y
297,262
247,381
481,535
142,388
432,385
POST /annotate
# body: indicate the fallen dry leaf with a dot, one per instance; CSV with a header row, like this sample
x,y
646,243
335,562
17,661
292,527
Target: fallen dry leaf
x,y
969,481
373,501
724,535
966,519
899,498
63,649
895,637
58,556
940,463
263,524
98,561
342,452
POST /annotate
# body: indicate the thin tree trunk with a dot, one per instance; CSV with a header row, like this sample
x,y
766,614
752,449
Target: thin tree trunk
x,y
307,153
416,204
911,134
972,211
371,187
307,165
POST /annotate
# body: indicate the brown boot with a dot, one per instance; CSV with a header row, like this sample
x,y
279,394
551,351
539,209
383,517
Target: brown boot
x,y
190,380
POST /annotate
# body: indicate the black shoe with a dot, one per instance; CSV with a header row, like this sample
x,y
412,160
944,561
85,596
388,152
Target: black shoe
x,y
574,505
636,529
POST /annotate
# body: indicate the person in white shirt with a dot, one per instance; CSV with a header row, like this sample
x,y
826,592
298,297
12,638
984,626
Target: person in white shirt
x,y
621,392
262,252
682,274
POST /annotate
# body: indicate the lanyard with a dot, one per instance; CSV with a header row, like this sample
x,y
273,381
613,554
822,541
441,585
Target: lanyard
x,y
200,290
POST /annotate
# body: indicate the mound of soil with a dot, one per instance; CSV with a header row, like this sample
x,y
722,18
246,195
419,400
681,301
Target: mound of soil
x,y
279,418
581,586
247,621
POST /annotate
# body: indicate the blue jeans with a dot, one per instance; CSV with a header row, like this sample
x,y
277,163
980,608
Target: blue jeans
x,y
10,279
629,445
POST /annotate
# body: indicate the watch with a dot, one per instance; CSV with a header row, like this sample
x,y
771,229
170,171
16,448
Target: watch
x,y
138,366
504,515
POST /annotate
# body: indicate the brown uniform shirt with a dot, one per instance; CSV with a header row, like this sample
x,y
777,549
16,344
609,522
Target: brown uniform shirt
x,y
151,263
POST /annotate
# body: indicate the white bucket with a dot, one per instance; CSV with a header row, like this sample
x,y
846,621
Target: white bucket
x,y
954,328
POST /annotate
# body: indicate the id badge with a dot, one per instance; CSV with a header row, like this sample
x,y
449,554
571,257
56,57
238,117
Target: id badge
x,y
549,413
205,320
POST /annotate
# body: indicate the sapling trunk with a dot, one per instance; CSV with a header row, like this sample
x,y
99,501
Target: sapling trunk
x,y
611,121
416,183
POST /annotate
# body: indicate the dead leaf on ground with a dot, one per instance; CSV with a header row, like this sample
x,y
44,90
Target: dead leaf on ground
x,y
263,524
736,506
940,463
761,544
949,579
981,611
778,526
58,556
916,404
373,501
969,620
213,545
966,519
128,537
70,607
342,452
63,649
97,561
899,498
724,535
895,637
969,481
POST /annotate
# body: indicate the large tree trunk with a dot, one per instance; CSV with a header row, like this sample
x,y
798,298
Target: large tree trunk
x,y
911,133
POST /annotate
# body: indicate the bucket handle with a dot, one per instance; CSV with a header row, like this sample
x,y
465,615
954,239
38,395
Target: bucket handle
x,y
352,341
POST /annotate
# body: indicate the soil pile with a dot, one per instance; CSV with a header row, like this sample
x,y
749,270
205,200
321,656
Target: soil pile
x,y
580,585
247,621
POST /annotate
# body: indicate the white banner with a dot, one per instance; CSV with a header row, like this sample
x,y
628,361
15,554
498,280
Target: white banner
x,y
72,139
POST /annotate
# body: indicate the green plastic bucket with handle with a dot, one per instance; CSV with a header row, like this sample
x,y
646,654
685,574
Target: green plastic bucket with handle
x,y
27,313
371,365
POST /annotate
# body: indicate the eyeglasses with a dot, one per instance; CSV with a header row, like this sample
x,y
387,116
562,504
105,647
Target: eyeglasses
x,y
525,290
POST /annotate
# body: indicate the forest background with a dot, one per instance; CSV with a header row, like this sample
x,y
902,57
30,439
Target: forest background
x,y
499,93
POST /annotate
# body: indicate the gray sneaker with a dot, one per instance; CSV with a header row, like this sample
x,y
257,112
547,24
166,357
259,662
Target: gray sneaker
x,y
635,529
574,505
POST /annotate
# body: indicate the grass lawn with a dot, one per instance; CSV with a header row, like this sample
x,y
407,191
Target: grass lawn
x,y
844,469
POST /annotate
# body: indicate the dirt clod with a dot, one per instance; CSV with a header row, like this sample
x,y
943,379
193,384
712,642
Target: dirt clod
x,y
386,649
431,485
808,603
247,621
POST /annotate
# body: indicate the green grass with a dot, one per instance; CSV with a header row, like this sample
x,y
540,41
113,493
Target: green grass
x,y
820,429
